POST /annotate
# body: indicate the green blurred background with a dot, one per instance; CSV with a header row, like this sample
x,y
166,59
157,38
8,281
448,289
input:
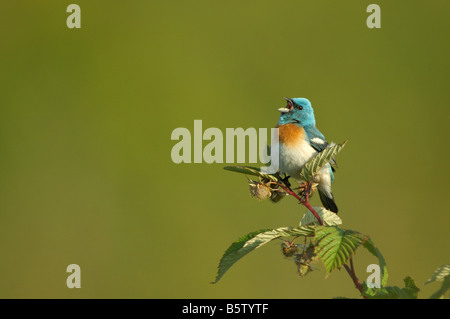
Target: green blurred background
x,y
86,117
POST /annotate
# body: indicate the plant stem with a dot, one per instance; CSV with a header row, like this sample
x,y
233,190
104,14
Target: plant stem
x,y
290,191
304,201
307,205
352,274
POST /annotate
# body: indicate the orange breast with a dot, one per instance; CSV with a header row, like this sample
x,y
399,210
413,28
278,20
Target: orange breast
x,y
291,134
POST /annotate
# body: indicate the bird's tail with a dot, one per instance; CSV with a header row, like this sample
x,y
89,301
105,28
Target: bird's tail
x,y
328,201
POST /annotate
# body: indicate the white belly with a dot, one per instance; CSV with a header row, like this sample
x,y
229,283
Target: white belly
x,y
292,160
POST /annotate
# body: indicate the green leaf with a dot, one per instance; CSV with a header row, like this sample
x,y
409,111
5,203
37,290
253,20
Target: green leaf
x,y
249,170
334,246
313,166
410,287
410,291
441,274
250,242
328,217
441,292
369,245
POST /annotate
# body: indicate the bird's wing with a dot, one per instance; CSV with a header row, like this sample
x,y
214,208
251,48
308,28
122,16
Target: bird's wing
x,y
316,139
318,142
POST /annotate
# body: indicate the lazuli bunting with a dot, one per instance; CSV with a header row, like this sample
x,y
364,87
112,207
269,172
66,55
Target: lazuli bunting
x,y
300,141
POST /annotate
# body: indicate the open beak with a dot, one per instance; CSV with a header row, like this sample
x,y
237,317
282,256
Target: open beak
x,y
288,108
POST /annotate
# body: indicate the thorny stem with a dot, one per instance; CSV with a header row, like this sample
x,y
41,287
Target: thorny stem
x,y
305,200
290,191
352,274
307,205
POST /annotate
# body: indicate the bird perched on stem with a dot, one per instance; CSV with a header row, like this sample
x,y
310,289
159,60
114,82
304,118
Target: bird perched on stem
x,y
300,141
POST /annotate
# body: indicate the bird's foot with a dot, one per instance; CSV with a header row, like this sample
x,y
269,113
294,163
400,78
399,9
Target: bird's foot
x,y
286,182
306,190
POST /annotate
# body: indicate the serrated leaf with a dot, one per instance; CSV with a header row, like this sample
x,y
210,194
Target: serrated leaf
x,y
368,292
249,170
369,245
313,166
411,285
254,240
334,246
328,217
439,274
410,291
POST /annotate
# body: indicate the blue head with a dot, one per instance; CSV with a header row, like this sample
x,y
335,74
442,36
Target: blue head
x,y
297,111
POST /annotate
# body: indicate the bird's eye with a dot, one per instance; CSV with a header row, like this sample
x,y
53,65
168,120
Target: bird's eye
x,y
299,107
